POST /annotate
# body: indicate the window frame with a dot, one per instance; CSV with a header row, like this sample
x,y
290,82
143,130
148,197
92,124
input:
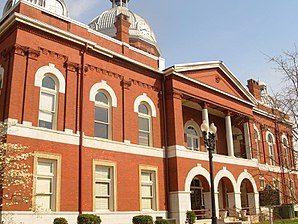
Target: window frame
x,y
271,149
155,196
113,184
192,138
149,118
54,158
109,108
257,139
53,93
286,151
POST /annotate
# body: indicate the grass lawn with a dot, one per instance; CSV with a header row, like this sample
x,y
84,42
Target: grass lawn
x,y
284,221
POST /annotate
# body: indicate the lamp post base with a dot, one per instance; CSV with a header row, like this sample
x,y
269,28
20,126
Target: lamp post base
x,y
214,220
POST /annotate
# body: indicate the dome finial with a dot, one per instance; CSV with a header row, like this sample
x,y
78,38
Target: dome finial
x,y
122,3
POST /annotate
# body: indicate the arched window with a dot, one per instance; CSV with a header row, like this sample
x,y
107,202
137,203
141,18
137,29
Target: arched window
x,y
55,6
271,148
48,103
144,124
102,127
286,151
193,140
257,144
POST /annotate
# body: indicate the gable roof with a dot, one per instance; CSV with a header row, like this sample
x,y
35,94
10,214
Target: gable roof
x,y
181,69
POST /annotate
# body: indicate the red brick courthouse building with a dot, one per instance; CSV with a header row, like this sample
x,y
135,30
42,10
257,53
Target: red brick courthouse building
x,y
117,134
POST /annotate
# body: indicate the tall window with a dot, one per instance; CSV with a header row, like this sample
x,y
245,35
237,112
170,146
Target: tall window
x,y
104,188
102,116
48,104
46,184
257,143
292,190
144,125
192,138
148,190
271,149
286,151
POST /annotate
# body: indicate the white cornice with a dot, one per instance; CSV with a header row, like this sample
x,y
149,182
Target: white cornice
x,y
269,115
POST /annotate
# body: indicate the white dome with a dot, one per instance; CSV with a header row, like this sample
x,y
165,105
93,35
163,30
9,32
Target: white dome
x,y
138,29
56,6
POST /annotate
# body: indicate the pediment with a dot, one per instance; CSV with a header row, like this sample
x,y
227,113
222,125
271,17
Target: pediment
x,y
216,76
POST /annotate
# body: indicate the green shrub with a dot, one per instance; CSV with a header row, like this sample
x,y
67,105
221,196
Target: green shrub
x,y
190,217
161,221
142,219
60,221
88,219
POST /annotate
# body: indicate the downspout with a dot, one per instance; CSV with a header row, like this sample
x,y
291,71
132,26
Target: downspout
x,y
165,135
263,145
8,84
81,127
25,84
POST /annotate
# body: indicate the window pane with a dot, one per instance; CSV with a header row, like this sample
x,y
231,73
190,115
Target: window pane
x,y
146,177
146,203
47,102
144,138
43,185
44,167
101,114
195,144
191,131
101,130
143,124
147,191
49,83
189,143
102,189
101,97
102,172
44,202
45,124
102,203
143,109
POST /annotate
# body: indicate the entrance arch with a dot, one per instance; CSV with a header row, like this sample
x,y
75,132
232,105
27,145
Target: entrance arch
x,y
198,189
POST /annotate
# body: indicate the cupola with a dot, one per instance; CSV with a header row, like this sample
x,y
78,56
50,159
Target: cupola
x,y
55,6
140,33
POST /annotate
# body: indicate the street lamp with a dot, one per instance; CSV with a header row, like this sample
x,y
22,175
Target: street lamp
x,y
209,142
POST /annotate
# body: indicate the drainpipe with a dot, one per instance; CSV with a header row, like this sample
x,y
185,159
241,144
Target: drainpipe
x,y
83,53
165,135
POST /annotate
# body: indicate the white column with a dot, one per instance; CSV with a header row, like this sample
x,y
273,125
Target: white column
x,y
238,201
247,140
180,203
229,136
216,203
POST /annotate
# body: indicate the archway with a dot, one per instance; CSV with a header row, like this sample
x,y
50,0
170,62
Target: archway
x,y
247,196
226,194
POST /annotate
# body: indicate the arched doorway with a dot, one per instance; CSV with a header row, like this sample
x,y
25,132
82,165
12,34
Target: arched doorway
x,y
247,196
200,196
226,196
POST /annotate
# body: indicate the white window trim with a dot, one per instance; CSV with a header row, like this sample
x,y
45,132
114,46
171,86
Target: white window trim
x,y
55,94
286,150
271,156
50,69
259,139
103,86
113,195
193,124
149,117
153,169
106,106
146,99
57,159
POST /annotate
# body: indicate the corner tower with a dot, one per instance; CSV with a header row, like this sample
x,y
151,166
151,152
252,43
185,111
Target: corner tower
x,y
141,35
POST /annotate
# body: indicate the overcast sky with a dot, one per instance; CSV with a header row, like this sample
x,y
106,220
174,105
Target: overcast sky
x,y
237,32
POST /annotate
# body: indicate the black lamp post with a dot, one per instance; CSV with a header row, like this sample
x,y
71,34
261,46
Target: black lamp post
x,y
209,141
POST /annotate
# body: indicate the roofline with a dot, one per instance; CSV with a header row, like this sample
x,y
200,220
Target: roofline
x,y
210,65
82,25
